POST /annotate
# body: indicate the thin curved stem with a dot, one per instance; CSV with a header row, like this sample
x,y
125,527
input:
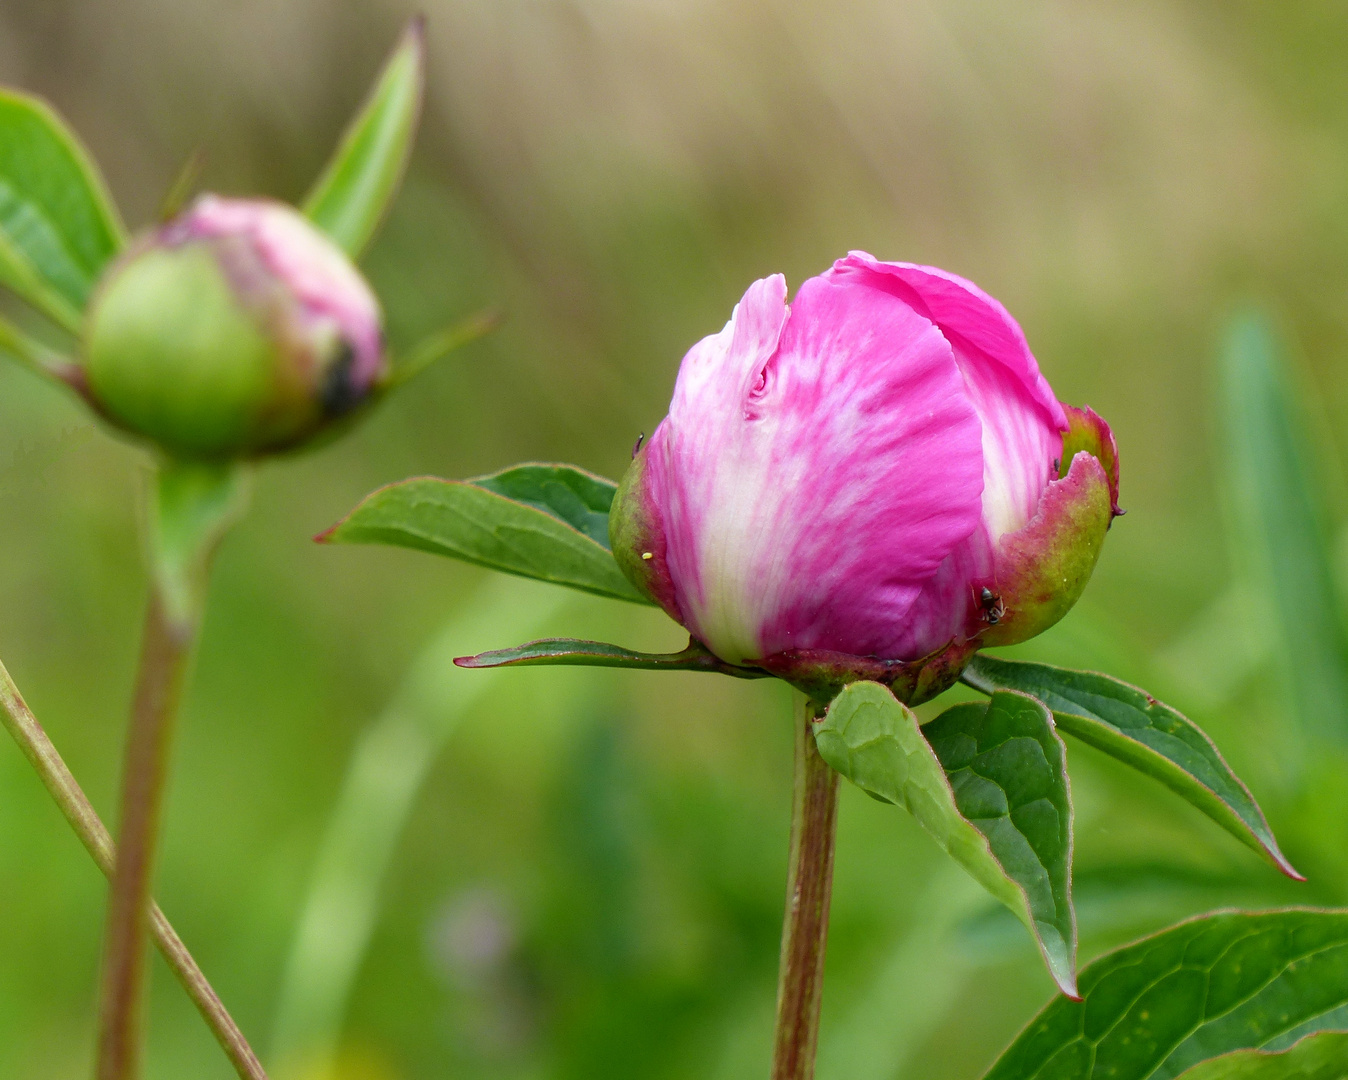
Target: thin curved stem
x,y
65,790
800,980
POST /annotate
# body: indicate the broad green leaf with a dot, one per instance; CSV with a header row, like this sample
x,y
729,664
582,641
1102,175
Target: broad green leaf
x,y
1316,1057
572,652
1119,901
1282,521
1149,735
538,521
350,198
987,781
58,225
1207,987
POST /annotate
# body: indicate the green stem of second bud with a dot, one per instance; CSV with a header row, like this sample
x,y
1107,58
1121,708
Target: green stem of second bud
x,y
194,505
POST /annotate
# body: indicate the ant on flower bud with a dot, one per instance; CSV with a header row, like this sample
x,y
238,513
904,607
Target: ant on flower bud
x,y
993,608
636,449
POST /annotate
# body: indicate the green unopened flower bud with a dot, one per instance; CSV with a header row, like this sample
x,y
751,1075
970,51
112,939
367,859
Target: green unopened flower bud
x,y
235,330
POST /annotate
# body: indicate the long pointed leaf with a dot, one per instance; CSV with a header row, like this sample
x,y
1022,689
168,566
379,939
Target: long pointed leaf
x,y
1216,984
1131,725
350,198
58,225
572,652
988,782
1282,522
548,522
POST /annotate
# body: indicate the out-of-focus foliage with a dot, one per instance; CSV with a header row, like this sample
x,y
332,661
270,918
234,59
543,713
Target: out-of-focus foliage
x,y
591,876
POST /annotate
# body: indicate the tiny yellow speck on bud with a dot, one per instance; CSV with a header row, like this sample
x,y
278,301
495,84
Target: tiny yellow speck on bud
x,y
647,555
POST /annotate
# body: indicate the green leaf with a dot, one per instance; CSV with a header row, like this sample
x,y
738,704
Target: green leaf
x,y
1316,1057
35,356
572,652
1123,899
988,781
1207,987
350,198
539,521
1282,521
439,345
1140,731
58,225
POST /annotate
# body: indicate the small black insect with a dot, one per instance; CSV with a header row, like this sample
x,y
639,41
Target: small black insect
x,y
993,608
637,448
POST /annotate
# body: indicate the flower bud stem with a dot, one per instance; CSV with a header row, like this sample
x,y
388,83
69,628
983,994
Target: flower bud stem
x,y
800,980
194,505
166,651
65,790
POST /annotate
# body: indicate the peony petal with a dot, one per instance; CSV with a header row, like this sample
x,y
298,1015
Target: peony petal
x,y
1022,420
817,466
957,305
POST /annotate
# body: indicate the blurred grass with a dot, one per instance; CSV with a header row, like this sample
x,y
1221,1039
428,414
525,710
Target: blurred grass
x,y
590,880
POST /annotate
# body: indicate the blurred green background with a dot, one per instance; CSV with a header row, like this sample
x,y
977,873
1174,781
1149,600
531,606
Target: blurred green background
x,y
588,877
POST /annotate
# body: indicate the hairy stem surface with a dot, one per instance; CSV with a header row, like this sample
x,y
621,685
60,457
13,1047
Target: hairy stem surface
x,y
65,790
800,980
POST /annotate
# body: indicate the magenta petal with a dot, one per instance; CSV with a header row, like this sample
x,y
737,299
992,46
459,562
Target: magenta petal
x,y
1022,420
818,464
958,306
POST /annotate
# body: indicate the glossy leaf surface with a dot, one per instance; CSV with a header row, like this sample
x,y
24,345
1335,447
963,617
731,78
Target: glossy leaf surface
x,y
1316,1057
987,781
58,226
1208,987
539,521
1149,735
351,197
573,652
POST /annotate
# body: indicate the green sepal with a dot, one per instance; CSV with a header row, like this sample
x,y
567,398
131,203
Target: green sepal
x,y
637,537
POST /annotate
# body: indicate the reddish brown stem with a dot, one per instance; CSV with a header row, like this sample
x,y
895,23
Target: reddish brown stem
x,y
165,653
800,980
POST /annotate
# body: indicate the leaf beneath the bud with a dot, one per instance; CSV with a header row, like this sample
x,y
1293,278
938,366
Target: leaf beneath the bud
x,y
548,522
1316,1057
58,225
1200,990
988,781
1140,731
354,192
572,652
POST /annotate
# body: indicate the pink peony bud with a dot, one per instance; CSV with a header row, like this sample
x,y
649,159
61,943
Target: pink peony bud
x,y
871,482
235,329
